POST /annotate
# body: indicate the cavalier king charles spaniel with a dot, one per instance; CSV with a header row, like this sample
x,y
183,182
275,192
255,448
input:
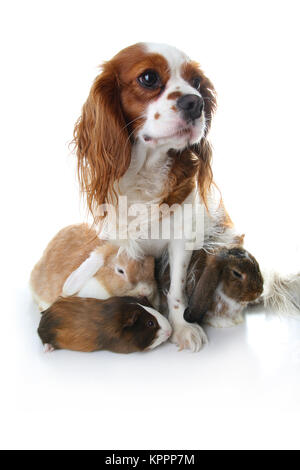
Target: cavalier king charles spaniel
x,y
143,134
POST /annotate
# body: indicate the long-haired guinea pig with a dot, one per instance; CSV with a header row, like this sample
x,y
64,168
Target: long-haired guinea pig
x,y
225,282
118,324
77,262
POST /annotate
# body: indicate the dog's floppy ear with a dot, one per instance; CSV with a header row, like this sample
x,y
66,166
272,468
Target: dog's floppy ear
x,y
203,295
101,139
203,149
83,273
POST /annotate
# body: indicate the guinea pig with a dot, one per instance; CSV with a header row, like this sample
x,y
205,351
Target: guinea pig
x,y
77,262
226,281
118,324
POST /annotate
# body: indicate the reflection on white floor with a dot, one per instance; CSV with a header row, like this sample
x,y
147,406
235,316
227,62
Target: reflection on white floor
x,y
241,390
275,340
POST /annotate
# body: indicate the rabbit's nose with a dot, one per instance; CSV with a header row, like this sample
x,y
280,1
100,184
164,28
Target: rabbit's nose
x,y
144,290
188,315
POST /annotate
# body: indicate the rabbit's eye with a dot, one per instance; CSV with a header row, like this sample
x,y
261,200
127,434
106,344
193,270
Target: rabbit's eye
x,y
120,271
150,323
237,274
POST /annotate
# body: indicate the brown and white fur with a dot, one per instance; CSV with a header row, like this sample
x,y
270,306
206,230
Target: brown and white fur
x,y
77,262
118,324
149,143
221,284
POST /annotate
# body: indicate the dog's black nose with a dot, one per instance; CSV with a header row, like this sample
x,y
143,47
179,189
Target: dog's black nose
x,y
191,105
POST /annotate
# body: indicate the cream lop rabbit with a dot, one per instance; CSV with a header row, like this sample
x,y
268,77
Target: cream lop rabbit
x,y
77,262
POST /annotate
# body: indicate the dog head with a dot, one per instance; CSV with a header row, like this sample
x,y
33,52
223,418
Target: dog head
x,y
151,93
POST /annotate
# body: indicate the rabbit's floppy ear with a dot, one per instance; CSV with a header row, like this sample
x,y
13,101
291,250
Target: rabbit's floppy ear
x,y
203,295
83,273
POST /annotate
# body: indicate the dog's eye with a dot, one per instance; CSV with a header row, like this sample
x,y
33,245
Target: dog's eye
x,y
149,79
150,323
237,274
196,83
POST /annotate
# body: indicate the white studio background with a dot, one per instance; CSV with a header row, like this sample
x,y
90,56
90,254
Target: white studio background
x,y
242,390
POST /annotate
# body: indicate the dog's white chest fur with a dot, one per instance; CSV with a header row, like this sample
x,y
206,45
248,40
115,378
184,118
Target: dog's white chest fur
x,y
146,178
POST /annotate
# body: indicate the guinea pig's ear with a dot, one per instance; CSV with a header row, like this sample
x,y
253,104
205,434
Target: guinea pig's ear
x,y
130,319
83,273
203,295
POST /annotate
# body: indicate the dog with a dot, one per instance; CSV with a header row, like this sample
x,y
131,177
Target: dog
x,y
143,135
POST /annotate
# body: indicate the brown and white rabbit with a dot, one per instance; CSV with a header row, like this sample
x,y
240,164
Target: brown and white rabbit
x,y
118,324
77,262
225,281
219,285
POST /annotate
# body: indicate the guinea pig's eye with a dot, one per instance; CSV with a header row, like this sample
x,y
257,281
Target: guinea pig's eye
x,y
237,274
149,79
150,323
196,82
120,271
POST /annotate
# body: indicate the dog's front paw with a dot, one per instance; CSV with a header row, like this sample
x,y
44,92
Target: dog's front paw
x,y
189,336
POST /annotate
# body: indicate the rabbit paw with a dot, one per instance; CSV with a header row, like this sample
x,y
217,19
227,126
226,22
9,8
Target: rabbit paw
x,y
188,336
